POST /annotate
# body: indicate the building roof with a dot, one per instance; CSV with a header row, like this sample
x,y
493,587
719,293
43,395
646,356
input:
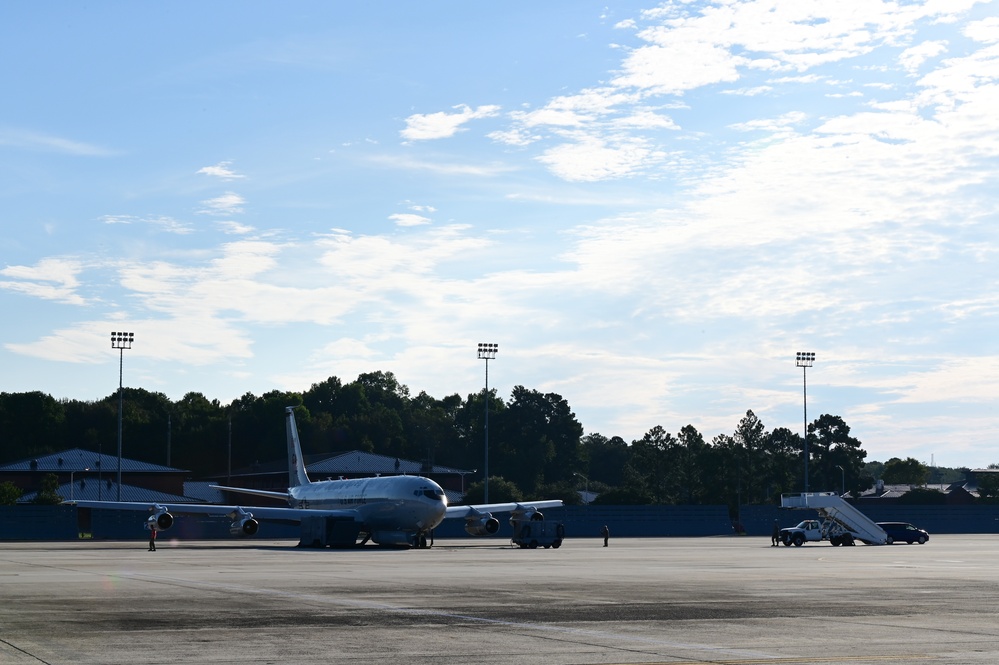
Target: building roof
x,y
202,491
89,489
358,461
78,459
888,491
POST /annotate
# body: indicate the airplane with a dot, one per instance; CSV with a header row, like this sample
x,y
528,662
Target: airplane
x,y
394,511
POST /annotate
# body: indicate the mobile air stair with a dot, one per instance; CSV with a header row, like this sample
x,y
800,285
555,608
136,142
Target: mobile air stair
x,y
834,509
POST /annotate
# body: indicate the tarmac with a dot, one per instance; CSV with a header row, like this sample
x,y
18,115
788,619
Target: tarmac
x,y
722,600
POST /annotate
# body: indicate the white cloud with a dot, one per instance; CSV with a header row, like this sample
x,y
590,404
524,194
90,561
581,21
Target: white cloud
x,y
986,30
234,228
472,168
913,58
229,203
50,279
422,208
163,223
424,127
28,140
220,170
676,68
591,158
118,219
409,219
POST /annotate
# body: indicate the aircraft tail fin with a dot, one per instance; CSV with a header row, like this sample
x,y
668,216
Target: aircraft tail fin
x,y
296,465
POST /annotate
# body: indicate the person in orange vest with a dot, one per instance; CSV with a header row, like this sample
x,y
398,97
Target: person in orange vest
x,y
152,540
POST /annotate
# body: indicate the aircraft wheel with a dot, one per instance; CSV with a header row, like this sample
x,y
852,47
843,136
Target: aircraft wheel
x,y
533,545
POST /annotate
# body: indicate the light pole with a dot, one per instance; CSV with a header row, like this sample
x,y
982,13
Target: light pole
x,y
804,360
71,481
586,488
487,352
463,474
120,341
842,478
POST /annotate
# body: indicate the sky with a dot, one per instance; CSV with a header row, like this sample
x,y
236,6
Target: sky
x,y
650,207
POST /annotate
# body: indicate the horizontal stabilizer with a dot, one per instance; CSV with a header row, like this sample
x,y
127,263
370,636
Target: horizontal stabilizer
x,y
242,490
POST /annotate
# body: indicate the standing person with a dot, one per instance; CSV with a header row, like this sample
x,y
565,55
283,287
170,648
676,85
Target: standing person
x,y
605,532
775,535
152,540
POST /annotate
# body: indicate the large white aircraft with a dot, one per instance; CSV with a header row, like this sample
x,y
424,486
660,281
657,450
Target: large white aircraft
x,y
398,511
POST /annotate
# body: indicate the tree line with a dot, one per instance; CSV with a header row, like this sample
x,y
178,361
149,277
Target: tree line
x,y
536,444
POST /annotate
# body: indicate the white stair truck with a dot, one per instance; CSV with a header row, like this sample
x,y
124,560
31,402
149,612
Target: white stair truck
x,y
841,522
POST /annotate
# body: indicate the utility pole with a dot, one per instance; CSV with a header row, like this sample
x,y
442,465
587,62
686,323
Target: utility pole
x,y
487,352
804,360
120,341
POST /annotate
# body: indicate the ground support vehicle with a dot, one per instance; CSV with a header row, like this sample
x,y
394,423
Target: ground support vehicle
x,y
903,532
813,531
534,533
841,524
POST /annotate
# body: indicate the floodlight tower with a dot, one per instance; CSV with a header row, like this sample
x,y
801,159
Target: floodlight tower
x,y
487,352
804,360
120,341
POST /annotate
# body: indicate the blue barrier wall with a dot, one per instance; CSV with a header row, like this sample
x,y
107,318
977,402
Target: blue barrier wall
x,y
623,521
38,523
758,520
65,523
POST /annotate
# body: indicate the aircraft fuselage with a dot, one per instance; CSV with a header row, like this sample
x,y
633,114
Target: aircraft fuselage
x,y
390,503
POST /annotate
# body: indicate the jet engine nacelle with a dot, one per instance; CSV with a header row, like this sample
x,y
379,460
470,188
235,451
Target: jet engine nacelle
x,y
520,516
244,527
486,525
160,521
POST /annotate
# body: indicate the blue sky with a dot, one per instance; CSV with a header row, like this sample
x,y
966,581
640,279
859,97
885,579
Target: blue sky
x,y
649,207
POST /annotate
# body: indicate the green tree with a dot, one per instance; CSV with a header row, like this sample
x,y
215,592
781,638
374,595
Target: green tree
x,y
750,438
650,462
604,459
9,493
537,439
784,470
726,457
905,472
623,496
832,447
691,469
501,490
31,424
988,486
49,494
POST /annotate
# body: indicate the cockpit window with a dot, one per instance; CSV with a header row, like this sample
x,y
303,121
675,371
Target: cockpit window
x,y
433,494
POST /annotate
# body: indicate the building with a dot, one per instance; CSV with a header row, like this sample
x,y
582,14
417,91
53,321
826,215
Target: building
x,y
354,464
84,474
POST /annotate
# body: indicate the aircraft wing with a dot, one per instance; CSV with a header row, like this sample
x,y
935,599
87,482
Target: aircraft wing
x,y
512,507
260,513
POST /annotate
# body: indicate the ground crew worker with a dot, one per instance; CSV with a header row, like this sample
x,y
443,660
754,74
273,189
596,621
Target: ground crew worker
x,y
605,532
775,535
152,540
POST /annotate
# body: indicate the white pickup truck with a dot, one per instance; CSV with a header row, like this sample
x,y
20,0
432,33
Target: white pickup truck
x,y
813,530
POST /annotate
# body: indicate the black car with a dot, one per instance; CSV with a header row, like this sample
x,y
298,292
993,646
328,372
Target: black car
x,y
899,531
